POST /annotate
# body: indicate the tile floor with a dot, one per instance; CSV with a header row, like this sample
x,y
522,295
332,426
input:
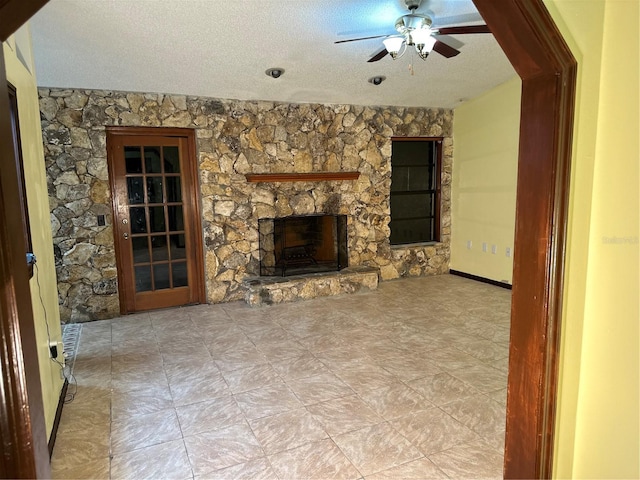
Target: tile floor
x,y
408,382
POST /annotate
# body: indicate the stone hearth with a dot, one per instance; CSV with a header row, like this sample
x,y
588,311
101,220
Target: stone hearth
x,y
273,290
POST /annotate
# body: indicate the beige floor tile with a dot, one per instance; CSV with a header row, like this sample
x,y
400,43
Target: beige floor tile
x,y
229,373
144,430
344,414
479,413
365,377
319,388
259,469
209,415
266,401
250,378
306,365
198,386
395,400
433,430
126,402
376,448
96,468
421,469
166,460
442,388
475,460
313,461
450,358
287,430
223,448
482,377
76,449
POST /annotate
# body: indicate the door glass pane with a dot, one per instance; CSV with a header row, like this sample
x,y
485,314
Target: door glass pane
x,y
156,219
161,276
138,220
179,274
177,247
154,189
159,248
174,194
176,222
152,160
171,160
140,247
135,190
143,278
132,160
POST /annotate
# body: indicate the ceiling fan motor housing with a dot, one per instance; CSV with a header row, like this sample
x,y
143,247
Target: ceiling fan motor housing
x,y
406,24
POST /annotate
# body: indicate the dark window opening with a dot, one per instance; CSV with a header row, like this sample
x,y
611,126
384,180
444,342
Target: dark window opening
x,y
22,191
415,190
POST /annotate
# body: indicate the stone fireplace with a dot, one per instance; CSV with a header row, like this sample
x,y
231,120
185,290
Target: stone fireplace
x,y
298,245
235,140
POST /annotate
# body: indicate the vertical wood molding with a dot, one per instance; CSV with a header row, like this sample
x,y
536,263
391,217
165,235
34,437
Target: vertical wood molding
x,y
533,44
22,425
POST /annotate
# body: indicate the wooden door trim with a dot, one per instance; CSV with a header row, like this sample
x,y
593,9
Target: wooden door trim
x,y
22,426
534,46
193,201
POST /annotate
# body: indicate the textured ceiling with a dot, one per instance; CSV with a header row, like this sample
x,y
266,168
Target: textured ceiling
x,y
221,48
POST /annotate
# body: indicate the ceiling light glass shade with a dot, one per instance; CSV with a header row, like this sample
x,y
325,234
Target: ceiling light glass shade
x,y
429,44
420,36
393,45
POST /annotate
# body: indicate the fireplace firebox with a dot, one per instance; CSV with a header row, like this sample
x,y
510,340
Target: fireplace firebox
x,y
304,244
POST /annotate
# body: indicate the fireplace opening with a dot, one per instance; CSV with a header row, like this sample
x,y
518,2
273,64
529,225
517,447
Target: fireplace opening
x,y
300,245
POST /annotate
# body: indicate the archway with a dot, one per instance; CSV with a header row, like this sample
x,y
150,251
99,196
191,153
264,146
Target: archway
x,y
539,55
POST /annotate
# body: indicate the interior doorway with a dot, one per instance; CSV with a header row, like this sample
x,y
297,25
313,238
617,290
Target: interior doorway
x,y
156,220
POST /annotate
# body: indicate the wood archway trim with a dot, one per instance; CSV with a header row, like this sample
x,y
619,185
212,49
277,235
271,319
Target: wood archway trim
x,y
534,46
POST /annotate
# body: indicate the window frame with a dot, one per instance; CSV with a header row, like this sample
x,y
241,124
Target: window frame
x,y
436,195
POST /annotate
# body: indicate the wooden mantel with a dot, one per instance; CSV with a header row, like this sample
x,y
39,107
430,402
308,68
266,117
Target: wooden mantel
x,y
301,177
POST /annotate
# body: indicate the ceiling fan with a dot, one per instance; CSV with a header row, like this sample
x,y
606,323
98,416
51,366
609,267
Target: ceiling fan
x,y
415,30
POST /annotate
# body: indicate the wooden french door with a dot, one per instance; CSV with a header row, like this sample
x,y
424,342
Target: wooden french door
x,y
156,219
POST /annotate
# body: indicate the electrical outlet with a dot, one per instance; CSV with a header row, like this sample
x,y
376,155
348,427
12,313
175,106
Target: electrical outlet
x,y
469,244
508,251
484,247
494,249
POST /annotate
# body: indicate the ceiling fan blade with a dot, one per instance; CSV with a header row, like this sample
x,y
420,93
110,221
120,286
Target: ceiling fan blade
x,y
379,56
445,50
363,38
463,29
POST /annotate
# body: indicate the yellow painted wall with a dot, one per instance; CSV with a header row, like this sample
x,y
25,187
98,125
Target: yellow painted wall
x,y
17,50
483,197
598,424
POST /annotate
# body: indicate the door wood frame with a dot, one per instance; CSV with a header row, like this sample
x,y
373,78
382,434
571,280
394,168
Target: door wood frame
x,y
23,432
192,202
534,46
538,53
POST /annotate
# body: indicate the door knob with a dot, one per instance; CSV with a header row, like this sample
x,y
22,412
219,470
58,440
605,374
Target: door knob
x,y
125,235
125,221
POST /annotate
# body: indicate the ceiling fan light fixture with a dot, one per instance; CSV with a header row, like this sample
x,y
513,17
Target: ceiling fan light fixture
x,y
428,45
394,45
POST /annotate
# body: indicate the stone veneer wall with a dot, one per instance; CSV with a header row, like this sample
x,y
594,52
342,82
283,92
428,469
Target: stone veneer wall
x,y
233,138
